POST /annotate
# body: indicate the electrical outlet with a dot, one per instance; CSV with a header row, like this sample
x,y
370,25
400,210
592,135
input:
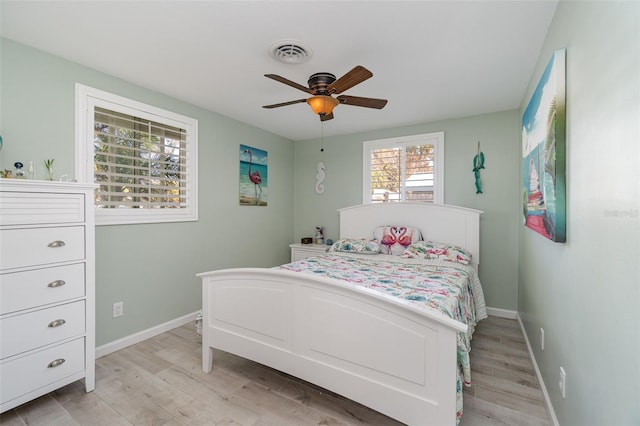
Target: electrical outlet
x,y
542,339
563,383
118,309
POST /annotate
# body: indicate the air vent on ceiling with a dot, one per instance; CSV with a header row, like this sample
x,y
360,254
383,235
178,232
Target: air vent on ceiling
x,y
290,52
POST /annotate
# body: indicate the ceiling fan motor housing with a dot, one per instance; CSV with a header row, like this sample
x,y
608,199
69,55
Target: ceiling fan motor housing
x,y
319,82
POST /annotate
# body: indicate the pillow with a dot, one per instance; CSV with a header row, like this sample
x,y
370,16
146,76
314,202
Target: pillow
x,y
434,250
394,239
347,245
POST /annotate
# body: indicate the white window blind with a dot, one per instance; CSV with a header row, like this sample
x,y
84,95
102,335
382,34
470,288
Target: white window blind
x,y
143,159
138,163
404,169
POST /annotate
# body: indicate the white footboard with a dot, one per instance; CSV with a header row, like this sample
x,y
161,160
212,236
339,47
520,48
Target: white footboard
x,y
382,352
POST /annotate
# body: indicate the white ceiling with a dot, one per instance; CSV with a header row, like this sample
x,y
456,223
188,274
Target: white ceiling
x,y
432,60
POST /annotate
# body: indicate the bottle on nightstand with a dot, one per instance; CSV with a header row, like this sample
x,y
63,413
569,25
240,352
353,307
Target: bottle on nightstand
x,y
319,235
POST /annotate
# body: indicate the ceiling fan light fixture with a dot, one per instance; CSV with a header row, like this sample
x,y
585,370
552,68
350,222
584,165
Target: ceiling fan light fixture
x,y
322,104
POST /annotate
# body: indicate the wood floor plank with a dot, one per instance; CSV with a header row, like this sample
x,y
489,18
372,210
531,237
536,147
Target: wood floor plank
x,y
508,386
93,410
278,410
342,409
45,411
208,394
500,361
489,413
160,382
134,407
11,418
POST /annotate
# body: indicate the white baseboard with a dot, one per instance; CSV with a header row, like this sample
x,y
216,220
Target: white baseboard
x,y
502,313
132,339
547,400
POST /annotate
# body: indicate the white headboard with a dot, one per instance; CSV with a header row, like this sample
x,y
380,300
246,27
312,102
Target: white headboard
x,y
437,222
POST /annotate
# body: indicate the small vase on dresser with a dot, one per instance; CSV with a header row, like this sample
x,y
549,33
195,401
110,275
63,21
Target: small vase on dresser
x,y
47,288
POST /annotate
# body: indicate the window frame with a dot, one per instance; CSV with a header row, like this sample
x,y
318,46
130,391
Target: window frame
x,y
86,99
435,138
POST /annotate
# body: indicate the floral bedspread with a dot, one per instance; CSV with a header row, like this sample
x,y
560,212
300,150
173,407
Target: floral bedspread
x,y
451,288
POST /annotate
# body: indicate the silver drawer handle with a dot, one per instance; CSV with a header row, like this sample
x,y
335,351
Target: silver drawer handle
x,y
56,323
56,363
56,283
56,244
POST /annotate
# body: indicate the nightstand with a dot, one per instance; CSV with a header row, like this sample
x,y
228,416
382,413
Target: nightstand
x,y
302,251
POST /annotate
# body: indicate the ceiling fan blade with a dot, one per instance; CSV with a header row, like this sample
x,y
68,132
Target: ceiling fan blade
x,y
325,117
362,102
289,83
350,79
299,101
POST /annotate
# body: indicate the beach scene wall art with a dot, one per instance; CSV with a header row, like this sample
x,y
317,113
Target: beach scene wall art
x,y
253,176
543,153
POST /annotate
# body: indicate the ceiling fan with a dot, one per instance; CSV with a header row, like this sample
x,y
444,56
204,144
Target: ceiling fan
x,y
323,84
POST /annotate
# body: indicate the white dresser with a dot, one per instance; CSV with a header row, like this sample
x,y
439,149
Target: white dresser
x,y
302,251
47,288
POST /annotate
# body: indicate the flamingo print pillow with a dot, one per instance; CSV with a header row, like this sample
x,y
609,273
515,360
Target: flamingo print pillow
x,y
347,245
395,239
435,250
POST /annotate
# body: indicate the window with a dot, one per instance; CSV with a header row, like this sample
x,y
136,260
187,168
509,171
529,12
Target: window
x,y
143,159
408,168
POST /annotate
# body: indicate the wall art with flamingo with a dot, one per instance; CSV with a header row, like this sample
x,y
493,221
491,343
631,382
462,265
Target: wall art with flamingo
x,y
253,176
543,153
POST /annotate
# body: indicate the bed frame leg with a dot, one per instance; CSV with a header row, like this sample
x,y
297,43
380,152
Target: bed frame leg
x,y
207,359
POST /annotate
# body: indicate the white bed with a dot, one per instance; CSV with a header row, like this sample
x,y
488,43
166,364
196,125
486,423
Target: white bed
x,y
343,337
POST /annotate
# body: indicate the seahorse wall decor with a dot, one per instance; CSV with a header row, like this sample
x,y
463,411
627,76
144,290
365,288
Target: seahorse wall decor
x,y
320,176
478,163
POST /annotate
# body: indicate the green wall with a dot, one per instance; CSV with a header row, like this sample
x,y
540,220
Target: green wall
x,y
150,267
499,136
585,293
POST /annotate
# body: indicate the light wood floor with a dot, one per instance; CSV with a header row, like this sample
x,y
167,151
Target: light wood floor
x,y
160,382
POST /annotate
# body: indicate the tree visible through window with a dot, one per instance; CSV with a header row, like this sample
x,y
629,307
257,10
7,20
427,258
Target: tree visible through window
x,y
404,169
138,163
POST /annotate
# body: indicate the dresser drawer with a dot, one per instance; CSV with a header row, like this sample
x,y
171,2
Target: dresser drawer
x,y
36,370
40,246
21,333
26,208
302,251
29,289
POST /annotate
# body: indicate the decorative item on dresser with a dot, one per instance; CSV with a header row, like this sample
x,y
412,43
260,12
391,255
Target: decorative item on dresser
x,y
47,288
